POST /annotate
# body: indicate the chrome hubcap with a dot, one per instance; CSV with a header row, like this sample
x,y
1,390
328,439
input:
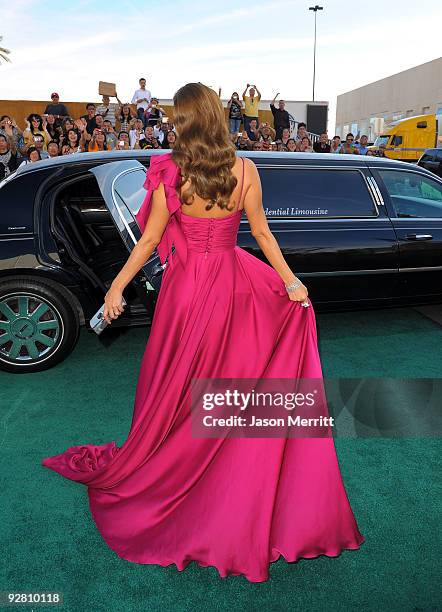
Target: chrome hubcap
x,y
30,328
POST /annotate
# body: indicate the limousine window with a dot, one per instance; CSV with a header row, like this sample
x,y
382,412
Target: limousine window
x,y
315,193
129,187
413,194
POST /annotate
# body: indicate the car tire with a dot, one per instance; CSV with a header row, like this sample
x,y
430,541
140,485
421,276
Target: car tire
x,y
39,325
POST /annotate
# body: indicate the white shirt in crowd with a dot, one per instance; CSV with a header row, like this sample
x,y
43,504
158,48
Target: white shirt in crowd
x,y
158,133
141,93
111,113
133,137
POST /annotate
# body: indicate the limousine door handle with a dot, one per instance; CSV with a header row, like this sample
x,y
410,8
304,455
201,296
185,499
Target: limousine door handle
x,y
418,237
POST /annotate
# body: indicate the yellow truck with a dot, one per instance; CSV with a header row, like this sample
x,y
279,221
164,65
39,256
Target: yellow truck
x,y
407,139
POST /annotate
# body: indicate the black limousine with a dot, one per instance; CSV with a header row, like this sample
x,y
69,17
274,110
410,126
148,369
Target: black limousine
x,y
432,160
359,231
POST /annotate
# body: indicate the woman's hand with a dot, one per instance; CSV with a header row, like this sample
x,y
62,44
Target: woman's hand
x,y
113,304
300,294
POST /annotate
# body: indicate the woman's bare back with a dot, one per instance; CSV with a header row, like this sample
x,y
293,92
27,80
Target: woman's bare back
x,y
198,206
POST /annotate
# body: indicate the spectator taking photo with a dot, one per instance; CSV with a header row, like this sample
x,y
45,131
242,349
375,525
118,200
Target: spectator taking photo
x,y
235,106
251,104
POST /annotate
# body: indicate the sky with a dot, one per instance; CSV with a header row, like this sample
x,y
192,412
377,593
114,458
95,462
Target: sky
x,y
69,46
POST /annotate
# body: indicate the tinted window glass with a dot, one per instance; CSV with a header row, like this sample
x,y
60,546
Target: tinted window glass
x,y
130,188
21,189
426,157
397,140
412,194
311,193
439,155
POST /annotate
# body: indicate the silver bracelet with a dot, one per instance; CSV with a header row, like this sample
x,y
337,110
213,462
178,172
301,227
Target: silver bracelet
x,y
293,286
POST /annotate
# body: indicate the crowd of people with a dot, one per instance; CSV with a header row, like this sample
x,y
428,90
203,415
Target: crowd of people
x,y
143,124
258,136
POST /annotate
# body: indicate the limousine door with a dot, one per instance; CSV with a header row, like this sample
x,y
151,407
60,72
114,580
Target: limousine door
x,y
121,185
332,228
414,200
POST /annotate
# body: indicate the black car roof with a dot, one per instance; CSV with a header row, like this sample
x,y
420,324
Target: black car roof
x,y
103,156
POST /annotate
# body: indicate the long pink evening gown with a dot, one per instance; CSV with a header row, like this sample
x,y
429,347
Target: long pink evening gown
x,y
238,504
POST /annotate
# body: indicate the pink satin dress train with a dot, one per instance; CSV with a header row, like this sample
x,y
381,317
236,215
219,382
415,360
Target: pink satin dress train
x,y
165,497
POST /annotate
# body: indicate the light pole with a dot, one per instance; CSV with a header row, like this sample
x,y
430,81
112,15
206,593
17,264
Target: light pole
x,y
315,9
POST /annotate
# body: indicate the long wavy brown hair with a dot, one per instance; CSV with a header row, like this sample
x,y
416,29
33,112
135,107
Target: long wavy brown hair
x,y
203,149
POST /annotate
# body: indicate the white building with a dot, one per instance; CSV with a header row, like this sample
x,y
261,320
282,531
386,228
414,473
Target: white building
x,y
416,91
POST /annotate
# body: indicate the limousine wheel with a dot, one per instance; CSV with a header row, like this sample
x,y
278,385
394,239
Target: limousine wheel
x,y
38,325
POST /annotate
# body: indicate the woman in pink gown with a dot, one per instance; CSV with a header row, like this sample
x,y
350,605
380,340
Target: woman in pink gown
x,y
166,496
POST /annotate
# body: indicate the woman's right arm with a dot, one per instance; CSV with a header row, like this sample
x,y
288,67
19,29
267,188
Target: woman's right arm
x,y
262,234
152,234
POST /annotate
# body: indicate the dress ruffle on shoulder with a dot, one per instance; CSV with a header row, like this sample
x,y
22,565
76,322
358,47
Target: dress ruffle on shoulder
x,y
164,170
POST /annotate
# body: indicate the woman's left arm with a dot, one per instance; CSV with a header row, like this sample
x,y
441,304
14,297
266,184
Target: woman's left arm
x,y
155,226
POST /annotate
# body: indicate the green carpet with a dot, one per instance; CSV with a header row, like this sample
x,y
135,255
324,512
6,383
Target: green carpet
x,y
50,543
